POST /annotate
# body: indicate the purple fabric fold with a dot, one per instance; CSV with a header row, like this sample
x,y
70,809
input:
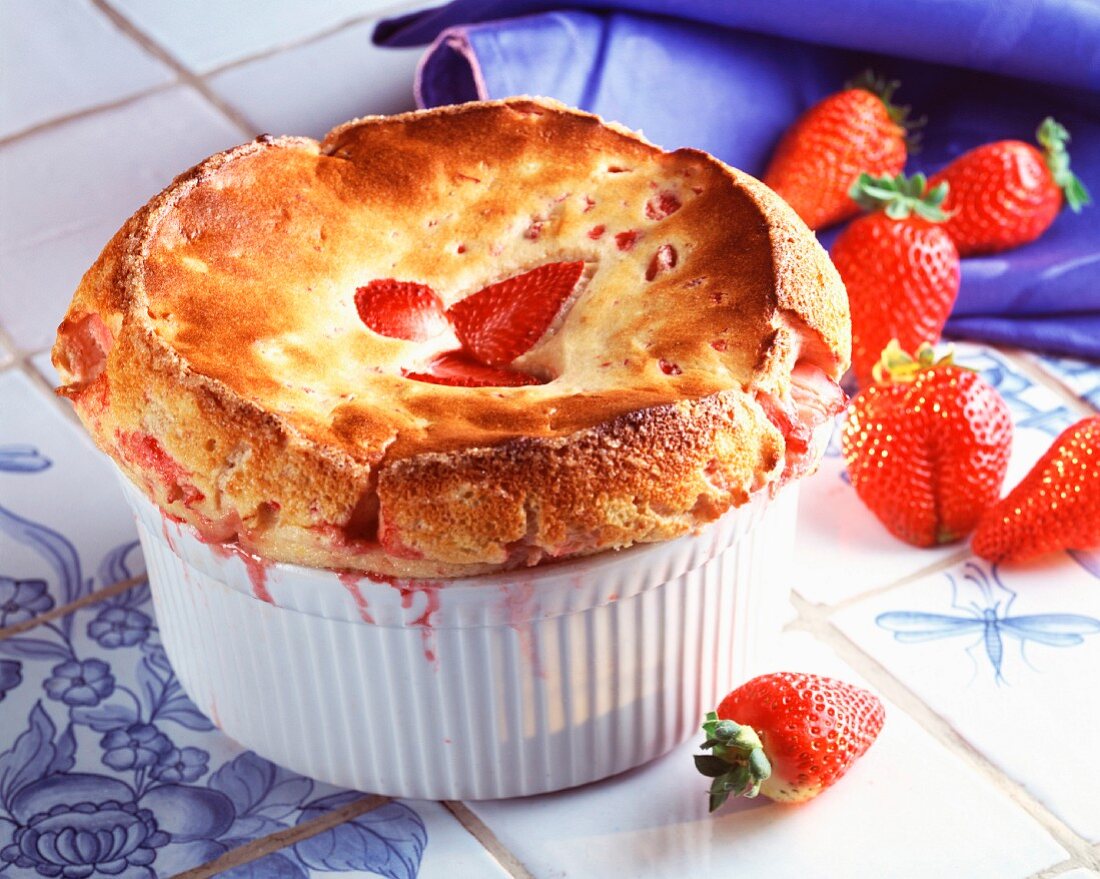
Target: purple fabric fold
x,y
729,78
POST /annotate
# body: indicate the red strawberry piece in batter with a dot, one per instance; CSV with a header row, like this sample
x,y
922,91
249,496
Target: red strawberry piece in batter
x,y
502,321
401,309
459,369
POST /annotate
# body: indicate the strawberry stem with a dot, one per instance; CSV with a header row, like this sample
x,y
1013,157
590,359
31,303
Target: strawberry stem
x,y
737,764
1053,137
896,366
884,89
900,196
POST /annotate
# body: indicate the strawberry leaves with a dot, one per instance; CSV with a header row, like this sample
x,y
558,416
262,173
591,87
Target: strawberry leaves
x,y
900,196
738,763
1053,137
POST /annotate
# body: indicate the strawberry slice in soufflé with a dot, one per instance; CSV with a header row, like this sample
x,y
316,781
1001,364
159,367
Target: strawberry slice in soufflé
x,y
463,444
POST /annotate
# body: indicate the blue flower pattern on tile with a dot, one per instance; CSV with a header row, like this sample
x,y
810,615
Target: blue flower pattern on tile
x,y
989,617
158,806
1084,375
1013,386
11,676
22,600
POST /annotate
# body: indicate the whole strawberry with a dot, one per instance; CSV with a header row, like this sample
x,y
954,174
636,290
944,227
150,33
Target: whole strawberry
x,y
1056,506
927,446
821,155
787,736
899,266
1007,193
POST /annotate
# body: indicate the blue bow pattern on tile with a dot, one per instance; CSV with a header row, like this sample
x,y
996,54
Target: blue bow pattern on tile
x,y
153,805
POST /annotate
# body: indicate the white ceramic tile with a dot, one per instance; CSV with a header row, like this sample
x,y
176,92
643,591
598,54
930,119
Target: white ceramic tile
x,y
843,550
102,721
1009,658
309,89
205,34
66,190
1082,376
44,367
64,526
60,56
909,808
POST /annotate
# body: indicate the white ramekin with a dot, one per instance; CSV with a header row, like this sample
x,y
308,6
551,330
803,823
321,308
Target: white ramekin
x,y
496,686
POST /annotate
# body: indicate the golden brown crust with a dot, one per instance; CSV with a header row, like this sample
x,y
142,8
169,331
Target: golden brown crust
x,y
214,351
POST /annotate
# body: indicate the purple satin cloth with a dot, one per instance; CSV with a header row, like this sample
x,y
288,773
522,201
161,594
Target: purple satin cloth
x,y
730,77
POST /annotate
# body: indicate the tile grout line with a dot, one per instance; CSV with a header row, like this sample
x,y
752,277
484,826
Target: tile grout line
x,y
480,831
41,384
1028,363
182,76
83,113
936,567
1056,870
332,30
816,622
273,842
185,76
72,606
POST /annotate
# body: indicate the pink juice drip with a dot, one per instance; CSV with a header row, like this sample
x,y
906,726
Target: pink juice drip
x,y
519,600
164,531
409,589
350,580
253,564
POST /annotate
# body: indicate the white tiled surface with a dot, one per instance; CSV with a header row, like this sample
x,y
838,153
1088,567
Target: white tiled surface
x,y
65,191
61,56
654,822
953,788
1006,716
270,93
205,34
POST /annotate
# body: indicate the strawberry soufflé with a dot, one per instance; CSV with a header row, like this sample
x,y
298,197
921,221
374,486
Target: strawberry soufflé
x,y
440,350
449,342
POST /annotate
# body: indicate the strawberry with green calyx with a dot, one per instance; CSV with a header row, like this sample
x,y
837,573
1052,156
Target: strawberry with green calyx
x,y
899,266
787,736
1007,193
737,761
820,156
927,446
1056,506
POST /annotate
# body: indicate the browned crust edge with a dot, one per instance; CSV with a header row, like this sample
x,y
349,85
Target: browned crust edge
x,y
651,475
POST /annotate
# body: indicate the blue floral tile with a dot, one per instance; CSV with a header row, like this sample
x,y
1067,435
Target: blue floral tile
x,y
64,528
108,766
1008,656
845,551
1033,406
453,853
1081,376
